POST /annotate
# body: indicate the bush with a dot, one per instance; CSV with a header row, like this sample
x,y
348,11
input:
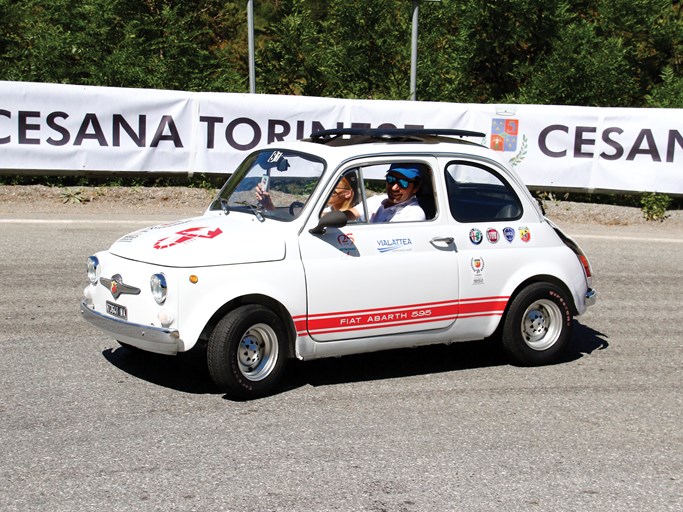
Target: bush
x,y
654,206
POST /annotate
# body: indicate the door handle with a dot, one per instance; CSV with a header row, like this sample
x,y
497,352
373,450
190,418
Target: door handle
x,y
448,240
443,239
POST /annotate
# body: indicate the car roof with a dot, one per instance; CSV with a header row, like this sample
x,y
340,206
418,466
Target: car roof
x,y
354,136
343,144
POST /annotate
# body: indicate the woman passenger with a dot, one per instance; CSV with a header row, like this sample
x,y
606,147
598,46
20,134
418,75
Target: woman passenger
x,y
343,197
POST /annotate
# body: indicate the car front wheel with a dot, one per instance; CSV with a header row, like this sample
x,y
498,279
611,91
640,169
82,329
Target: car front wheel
x,y
247,352
537,326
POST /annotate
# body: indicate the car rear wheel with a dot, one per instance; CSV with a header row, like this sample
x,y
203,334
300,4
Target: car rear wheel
x,y
537,326
247,352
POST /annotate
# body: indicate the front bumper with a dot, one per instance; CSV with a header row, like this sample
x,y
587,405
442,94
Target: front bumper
x,y
145,337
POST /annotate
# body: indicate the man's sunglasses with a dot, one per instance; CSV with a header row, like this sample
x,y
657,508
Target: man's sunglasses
x,y
402,182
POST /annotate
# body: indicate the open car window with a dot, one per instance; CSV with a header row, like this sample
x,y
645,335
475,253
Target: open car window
x,y
287,178
374,184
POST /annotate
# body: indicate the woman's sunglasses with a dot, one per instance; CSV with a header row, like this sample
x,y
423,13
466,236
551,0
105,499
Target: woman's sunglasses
x,y
402,182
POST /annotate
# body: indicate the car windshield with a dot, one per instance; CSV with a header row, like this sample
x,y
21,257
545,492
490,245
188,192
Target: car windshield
x,y
273,184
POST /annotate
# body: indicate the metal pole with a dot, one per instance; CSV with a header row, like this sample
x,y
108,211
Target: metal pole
x,y
250,29
413,54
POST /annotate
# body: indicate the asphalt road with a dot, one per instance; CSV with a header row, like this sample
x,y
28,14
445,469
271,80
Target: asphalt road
x,y
86,425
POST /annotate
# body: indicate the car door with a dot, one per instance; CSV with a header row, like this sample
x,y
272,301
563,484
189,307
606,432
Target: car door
x,y
367,279
493,234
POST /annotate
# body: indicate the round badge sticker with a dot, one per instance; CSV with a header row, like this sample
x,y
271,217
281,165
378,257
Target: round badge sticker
x,y
475,236
492,235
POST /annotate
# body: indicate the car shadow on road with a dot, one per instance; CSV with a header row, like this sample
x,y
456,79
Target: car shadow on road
x,y
410,362
585,340
188,372
393,364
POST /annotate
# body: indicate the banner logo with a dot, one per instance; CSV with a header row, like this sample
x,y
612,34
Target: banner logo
x,y
504,134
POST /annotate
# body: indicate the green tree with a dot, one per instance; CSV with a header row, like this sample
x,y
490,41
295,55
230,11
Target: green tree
x,y
651,34
292,62
367,49
667,94
43,41
582,69
584,52
155,43
172,45
482,51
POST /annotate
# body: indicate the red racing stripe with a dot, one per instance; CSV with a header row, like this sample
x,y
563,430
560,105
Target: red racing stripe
x,y
378,318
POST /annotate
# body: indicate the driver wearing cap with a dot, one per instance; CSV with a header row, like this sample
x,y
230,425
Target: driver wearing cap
x,y
399,204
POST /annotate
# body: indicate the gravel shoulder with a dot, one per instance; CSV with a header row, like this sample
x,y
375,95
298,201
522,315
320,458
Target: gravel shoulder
x,y
43,200
39,201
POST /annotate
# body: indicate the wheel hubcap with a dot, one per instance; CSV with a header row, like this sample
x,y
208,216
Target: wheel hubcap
x,y
257,352
542,324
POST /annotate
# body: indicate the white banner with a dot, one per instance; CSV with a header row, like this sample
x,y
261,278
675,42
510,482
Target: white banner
x,y
51,127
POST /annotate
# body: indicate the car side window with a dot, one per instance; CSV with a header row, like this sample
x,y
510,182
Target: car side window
x,y
476,193
407,175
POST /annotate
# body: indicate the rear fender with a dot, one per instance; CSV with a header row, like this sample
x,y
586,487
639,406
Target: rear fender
x,y
563,269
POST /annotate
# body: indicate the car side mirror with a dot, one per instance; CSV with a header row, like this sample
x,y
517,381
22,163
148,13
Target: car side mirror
x,y
333,219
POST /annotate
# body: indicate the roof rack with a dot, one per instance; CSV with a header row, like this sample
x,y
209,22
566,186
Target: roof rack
x,y
391,133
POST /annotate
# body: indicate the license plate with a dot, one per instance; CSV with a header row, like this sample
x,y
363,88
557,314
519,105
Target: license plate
x,y
117,310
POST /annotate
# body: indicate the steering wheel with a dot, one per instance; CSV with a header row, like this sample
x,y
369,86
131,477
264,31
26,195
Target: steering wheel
x,y
294,206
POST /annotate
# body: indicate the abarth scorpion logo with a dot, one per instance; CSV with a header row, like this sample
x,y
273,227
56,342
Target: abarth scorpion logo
x,y
117,287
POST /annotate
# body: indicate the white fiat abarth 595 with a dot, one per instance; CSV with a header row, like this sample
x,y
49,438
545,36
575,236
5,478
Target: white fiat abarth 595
x,y
349,241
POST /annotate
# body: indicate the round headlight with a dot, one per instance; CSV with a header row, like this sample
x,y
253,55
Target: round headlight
x,y
93,265
157,284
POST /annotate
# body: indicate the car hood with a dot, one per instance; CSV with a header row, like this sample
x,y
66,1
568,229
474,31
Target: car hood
x,y
204,241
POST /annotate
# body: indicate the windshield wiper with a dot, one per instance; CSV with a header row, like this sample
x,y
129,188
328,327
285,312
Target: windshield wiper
x,y
256,210
224,205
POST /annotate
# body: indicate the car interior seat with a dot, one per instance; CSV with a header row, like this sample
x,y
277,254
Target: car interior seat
x,y
509,211
425,198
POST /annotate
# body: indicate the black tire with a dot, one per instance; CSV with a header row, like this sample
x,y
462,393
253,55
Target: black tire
x,y
247,352
537,327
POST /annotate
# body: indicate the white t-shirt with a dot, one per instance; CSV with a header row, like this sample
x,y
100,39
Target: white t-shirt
x,y
406,211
